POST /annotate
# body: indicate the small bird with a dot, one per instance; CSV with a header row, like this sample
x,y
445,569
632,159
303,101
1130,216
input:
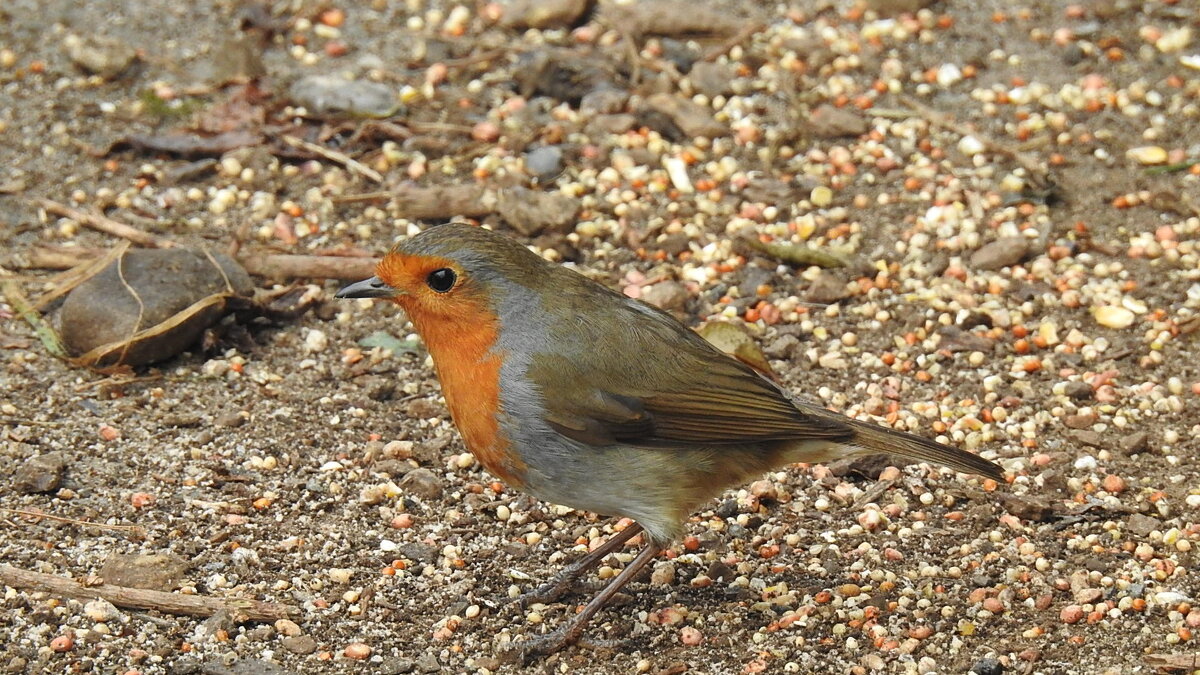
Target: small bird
x,y
583,397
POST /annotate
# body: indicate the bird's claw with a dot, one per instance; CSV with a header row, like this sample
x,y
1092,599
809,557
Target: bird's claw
x,y
524,652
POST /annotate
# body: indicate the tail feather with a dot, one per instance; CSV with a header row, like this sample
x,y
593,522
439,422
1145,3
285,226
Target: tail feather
x,y
872,438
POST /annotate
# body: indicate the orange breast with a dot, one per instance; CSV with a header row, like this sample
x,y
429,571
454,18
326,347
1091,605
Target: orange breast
x,y
469,371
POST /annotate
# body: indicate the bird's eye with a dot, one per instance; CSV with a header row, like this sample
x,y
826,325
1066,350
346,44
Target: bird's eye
x,y
441,280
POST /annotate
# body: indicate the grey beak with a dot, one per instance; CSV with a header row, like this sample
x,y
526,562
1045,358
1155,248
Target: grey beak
x,y
367,288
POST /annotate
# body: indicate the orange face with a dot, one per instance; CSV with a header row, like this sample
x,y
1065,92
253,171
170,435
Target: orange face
x,y
427,285
454,318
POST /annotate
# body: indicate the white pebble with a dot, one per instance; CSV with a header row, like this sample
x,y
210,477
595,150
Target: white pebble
x,y
315,341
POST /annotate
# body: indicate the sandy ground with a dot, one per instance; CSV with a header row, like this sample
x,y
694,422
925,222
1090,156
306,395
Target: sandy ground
x,y
1011,187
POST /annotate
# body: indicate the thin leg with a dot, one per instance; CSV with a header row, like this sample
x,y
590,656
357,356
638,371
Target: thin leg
x,y
573,628
562,582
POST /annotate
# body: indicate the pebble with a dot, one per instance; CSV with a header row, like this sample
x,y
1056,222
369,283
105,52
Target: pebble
x,y
1071,614
545,162
1113,316
101,610
668,295
315,341
1147,155
299,644
1001,253
971,146
829,121
62,643
422,483
663,574
357,651
287,627
43,473
989,665
821,196
949,74
106,57
1114,484
328,94
690,636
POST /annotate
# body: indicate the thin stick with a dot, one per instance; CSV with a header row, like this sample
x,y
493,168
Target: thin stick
x,y
106,225
135,529
342,268
438,127
241,609
475,58
79,274
741,36
335,156
45,332
361,197
274,266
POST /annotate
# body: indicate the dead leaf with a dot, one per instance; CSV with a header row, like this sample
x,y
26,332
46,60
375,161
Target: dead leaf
x,y
735,341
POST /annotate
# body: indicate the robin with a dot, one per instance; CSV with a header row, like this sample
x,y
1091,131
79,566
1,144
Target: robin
x,y
583,397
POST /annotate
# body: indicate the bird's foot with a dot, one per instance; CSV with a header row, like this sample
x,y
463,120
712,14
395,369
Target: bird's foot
x,y
554,590
558,586
527,651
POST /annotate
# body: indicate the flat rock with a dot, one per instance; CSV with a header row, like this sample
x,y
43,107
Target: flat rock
x,y
1142,525
712,79
829,121
692,119
955,339
1135,443
867,466
1086,437
99,55
542,14
326,94
422,483
140,291
530,212
1000,253
299,644
668,295
159,572
40,474
826,289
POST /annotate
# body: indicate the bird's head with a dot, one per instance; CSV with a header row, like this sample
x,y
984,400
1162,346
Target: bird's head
x,y
448,271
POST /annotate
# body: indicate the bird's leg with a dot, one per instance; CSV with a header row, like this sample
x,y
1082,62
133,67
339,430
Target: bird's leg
x,y
569,632
561,584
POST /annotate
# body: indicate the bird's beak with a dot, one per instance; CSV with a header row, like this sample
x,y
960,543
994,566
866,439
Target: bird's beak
x,y
368,288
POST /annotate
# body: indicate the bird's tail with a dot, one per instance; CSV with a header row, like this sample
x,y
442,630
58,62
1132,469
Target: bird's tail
x,y
872,438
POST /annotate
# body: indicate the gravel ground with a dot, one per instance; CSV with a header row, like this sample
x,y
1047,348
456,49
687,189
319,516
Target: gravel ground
x,y
1011,186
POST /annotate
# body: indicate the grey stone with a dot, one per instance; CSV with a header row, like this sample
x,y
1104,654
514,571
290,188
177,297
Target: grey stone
x,y
422,483
40,474
1000,253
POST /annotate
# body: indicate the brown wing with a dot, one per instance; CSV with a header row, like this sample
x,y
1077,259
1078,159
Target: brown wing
x,y
672,387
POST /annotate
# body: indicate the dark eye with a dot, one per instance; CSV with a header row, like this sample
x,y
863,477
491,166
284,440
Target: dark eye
x,y
441,280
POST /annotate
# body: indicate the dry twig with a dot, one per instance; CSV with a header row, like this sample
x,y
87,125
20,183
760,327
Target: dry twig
x,y
274,266
334,156
342,268
45,332
241,609
133,529
741,36
106,225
